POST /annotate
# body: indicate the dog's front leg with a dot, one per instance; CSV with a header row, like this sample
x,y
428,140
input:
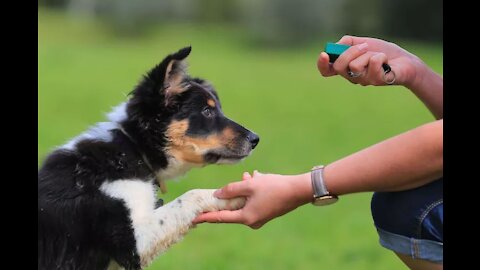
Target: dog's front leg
x,y
174,219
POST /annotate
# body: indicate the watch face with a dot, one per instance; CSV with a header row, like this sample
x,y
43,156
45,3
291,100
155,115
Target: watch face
x,y
325,200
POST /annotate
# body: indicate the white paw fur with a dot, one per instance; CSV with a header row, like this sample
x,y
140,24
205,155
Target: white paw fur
x,y
174,220
157,229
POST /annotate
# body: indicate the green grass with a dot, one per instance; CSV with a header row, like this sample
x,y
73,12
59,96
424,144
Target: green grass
x,y
302,118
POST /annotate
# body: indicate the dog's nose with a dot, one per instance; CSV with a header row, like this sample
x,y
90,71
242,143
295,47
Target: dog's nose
x,y
253,139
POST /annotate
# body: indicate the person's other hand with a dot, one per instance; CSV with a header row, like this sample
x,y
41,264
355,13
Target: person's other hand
x,y
366,57
268,196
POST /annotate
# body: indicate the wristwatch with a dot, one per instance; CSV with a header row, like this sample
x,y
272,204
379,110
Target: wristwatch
x,y
321,196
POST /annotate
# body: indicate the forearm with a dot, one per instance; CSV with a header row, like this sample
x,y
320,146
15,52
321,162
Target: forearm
x,y
428,87
406,161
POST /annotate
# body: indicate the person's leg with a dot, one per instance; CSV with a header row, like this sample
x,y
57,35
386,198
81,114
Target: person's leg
x,y
410,223
418,264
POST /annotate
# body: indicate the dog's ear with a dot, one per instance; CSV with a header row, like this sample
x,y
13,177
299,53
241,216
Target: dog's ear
x,y
167,78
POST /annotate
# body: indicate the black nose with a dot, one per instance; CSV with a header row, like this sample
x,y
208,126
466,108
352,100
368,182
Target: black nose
x,y
253,139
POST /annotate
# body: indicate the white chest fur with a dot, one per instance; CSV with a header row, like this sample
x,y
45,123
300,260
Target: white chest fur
x,y
175,169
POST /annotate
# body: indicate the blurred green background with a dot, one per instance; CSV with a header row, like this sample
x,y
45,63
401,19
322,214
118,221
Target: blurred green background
x,y
261,57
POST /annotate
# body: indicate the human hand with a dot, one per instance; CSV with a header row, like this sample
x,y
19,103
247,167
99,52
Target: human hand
x,y
268,196
366,57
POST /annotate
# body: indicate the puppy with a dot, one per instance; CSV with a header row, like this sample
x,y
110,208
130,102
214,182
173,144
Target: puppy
x,y
97,206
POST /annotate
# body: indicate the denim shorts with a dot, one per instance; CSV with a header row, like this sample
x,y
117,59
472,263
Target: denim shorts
x,y
410,222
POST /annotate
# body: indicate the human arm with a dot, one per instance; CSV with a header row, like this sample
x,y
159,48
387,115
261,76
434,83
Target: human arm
x,y
405,161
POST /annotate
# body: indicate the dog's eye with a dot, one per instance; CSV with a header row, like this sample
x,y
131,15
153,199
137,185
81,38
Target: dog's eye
x,y
207,112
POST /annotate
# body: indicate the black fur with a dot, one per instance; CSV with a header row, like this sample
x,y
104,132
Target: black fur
x,y
79,227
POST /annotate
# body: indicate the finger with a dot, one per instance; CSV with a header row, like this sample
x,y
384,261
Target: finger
x,y
341,64
375,70
256,173
232,190
246,176
360,63
347,40
224,216
352,40
324,66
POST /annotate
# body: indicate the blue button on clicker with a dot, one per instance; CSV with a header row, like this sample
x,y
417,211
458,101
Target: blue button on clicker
x,y
334,50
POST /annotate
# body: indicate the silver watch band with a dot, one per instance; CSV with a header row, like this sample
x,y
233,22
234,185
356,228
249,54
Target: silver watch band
x,y
318,184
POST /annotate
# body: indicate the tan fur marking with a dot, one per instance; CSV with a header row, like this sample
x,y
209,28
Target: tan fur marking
x,y
174,81
191,149
211,103
228,137
169,68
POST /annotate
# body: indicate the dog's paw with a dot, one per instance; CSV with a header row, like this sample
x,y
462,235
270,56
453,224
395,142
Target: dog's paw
x,y
206,202
231,204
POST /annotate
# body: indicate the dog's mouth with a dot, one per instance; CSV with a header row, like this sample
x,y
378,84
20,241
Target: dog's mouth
x,y
230,155
224,158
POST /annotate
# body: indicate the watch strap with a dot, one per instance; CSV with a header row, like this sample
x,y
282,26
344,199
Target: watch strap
x,y
318,184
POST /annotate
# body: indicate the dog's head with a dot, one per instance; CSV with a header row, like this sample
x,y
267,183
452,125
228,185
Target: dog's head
x,y
181,117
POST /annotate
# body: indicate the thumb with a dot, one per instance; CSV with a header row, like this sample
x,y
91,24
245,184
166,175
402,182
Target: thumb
x,y
256,173
233,190
246,176
352,40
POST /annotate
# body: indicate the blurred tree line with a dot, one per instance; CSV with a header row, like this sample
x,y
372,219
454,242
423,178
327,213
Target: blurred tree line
x,y
273,22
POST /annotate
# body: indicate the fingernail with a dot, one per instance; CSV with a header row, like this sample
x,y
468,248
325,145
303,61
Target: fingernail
x,y
217,192
363,46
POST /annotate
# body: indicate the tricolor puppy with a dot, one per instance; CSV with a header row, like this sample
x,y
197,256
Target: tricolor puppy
x,y
97,205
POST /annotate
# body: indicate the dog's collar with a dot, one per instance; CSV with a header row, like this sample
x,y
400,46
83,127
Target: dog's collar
x,y
160,181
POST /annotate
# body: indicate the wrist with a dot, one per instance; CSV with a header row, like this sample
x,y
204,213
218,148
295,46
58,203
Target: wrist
x,y
421,71
301,184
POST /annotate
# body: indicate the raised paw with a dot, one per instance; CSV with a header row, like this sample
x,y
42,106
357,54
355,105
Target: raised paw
x,y
206,202
231,204
171,222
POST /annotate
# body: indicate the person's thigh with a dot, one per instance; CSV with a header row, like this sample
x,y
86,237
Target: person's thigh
x,y
410,222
